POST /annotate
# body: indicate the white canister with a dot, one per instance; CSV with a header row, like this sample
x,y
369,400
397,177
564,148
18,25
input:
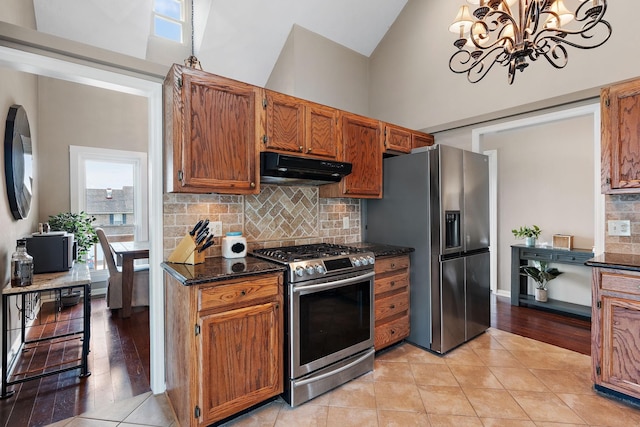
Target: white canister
x,y
234,245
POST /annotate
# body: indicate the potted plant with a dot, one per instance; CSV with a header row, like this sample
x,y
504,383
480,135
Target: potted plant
x,y
79,224
541,274
530,234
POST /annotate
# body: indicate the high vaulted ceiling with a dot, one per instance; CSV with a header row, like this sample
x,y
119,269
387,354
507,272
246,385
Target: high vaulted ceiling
x,y
247,35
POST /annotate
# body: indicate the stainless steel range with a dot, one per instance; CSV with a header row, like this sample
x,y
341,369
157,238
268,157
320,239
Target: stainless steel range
x,y
329,319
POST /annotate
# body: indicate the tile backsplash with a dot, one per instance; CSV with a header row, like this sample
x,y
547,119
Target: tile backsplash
x,y
278,216
623,207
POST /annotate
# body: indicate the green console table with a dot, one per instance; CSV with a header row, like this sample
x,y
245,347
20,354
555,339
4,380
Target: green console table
x,y
521,255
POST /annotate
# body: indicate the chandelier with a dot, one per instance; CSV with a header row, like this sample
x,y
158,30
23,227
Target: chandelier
x,y
512,33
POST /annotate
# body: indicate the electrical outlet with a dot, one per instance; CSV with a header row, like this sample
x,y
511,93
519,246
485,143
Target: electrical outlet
x,y
216,228
345,222
619,227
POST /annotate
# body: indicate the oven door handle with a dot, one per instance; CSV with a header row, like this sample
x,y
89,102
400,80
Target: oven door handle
x,y
342,368
335,283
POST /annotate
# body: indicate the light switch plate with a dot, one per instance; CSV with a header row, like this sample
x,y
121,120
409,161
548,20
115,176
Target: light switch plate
x,y
345,222
619,227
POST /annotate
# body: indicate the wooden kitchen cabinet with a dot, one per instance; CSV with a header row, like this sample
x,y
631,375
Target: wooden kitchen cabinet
x,y
301,127
360,139
615,331
419,139
224,346
620,145
399,140
212,125
391,300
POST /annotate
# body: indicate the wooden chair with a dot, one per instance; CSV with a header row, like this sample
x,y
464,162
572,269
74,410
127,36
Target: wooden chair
x,y
140,288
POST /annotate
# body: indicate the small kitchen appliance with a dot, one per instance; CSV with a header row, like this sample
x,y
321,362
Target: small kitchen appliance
x,y
51,252
329,316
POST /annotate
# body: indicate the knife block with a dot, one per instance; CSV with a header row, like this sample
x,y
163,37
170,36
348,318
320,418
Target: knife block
x,y
186,253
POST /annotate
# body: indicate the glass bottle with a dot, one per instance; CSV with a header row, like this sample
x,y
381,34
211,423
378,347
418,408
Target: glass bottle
x,y
21,265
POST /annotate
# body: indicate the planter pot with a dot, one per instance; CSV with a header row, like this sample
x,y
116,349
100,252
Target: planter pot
x,y
541,295
530,241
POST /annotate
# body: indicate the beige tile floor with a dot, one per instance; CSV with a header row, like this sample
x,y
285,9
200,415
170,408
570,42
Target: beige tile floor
x,y
497,380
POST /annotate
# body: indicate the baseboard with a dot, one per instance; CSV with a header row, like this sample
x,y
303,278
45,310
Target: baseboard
x,y
503,293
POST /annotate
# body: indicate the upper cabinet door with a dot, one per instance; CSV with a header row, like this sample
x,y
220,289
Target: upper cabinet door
x,y
620,106
301,127
321,131
362,147
216,122
285,123
397,139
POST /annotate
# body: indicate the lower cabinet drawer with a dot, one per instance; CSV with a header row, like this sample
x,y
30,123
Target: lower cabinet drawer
x,y
384,265
392,332
618,282
392,305
391,283
244,292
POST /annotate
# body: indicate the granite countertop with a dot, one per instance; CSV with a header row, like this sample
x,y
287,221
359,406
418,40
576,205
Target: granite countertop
x,y
615,260
382,250
217,269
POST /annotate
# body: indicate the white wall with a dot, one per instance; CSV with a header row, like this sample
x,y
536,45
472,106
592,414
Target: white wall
x,y
17,88
545,176
76,114
314,68
411,83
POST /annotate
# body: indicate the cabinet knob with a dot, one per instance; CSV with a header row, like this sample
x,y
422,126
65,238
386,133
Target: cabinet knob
x,y
392,306
393,265
300,148
252,185
393,283
243,293
309,150
393,332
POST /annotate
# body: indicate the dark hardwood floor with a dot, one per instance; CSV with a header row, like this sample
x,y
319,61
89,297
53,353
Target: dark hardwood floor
x,y
563,331
119,361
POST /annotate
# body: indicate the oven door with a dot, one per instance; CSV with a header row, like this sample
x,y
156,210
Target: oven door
x,y
330,320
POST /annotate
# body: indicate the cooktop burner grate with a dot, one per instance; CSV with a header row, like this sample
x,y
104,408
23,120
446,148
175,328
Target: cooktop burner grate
x,y
306,252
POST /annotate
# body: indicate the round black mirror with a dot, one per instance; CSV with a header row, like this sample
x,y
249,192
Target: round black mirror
x,y
18,162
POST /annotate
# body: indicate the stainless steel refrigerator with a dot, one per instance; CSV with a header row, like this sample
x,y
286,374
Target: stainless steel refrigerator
x,y
437,201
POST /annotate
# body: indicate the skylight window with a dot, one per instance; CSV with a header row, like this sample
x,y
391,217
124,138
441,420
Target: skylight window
x,y
168,19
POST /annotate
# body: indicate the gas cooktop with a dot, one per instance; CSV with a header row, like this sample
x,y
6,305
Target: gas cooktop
x,y
306,262
306,252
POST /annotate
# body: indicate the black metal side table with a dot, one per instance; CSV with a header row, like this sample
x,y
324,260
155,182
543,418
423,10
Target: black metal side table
x,y
56,284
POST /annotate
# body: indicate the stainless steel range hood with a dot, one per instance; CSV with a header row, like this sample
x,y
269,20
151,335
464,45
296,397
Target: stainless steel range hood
x,y
293,170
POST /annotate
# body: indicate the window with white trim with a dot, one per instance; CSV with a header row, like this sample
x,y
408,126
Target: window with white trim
x,y
168,19
110,185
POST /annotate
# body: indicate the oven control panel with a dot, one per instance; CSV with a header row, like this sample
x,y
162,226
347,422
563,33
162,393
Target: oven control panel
x,y
316,268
